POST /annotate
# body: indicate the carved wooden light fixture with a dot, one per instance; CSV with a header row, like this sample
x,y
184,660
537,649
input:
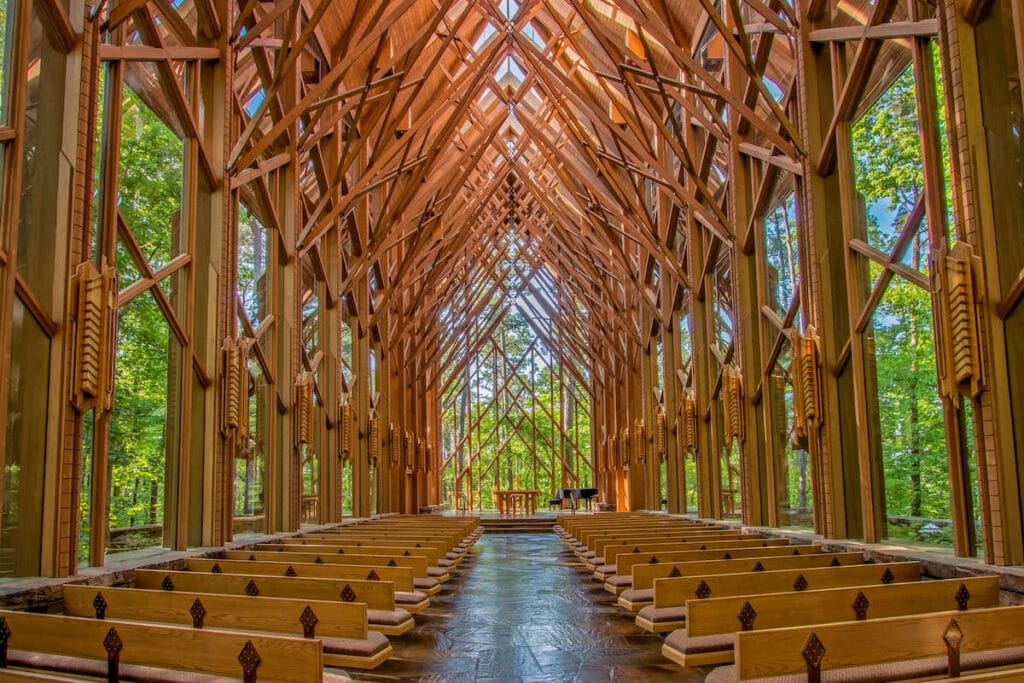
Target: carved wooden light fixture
x,y
640,441
374,440
659,434
346,428
394,445
688,408
953,279
806,384
95,333
235,390
732,398
410,452
624,446
304,407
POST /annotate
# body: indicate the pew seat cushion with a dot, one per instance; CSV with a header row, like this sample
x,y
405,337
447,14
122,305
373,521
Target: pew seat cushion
x,y
687,645
373,644
605,569
385,617
436,572
445,563
620,580
589,554
656,615
95,668
890,671
428,585
635,595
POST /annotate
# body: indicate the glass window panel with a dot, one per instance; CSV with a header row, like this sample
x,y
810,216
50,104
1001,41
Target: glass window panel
x,y
150,181
39,214
914,458
781,254
143,427
85,489
22,511
887,156
253,253
6,27
251,461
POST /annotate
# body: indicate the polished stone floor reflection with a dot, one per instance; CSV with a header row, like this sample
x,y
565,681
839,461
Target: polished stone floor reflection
x,y
522,609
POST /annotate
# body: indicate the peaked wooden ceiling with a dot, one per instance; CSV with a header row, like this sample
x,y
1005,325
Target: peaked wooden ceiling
x,y
530,154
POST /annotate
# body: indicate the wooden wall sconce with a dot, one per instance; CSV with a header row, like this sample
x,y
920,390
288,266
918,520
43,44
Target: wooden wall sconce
x,y
732,397
234,390
95,334
304,407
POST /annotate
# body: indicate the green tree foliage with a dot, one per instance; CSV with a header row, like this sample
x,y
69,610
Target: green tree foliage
x,y
522,421
887,151
143,428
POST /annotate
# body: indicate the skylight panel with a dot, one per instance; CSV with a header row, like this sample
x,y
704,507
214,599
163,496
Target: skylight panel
x,y
485,35
531,34
509,9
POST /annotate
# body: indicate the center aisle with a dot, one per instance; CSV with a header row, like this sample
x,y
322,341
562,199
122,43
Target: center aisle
x,y
520,610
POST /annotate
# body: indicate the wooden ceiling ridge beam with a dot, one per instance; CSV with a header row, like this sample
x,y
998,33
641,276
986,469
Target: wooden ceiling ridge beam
x,y
687,63
853,86
242,157
412,56
469,286
511,372
415,184
413,254
432,273
477,345
546,337
684,195
596,278
319,222
150,34
266,21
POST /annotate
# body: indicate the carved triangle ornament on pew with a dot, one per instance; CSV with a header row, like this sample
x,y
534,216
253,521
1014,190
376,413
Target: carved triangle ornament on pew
x,y
860,606
747,616
5,635
99,603
309,620
250,660
198,612
813,653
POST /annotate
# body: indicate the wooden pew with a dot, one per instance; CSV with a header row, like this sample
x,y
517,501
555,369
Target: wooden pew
x,y
79,647
636,590
406,596
442,550
340,626
341,550
577,534
439,546
619,554
733,564
429,585
1010,674
606,547
601,544
917,646
18,676
430,555
585,537
670,595
379,596
708,637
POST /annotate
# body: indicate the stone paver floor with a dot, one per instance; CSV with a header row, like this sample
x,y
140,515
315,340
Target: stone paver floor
x,y
523,609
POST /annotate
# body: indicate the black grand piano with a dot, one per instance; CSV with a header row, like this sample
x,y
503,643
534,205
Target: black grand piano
x,y
574,495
